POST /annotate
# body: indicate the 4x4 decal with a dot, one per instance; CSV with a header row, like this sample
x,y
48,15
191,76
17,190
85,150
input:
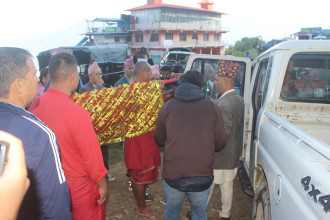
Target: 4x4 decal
x,y
314,193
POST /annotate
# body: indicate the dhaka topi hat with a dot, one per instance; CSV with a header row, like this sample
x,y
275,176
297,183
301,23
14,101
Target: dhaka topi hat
x,y
129,62
155,69
227,69
93,68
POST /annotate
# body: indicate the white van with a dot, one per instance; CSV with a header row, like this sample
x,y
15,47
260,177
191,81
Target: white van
x,y
172,56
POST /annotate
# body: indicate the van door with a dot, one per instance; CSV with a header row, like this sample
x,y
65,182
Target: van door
x,y
208,66
259,91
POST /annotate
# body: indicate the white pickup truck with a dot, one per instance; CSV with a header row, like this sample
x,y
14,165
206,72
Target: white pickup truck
x,y
285,162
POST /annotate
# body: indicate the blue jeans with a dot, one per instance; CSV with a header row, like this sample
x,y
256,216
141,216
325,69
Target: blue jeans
x,y
174,199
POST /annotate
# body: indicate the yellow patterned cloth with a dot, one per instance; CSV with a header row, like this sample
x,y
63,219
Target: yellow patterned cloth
x,y
123,112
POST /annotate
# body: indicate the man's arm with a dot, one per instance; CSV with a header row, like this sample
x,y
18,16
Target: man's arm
x,y
103,190
82,90
88,145
160,133
51,186
219,131
227,112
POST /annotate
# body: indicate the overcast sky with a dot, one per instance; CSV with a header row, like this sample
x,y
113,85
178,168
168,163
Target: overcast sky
x,y
22,19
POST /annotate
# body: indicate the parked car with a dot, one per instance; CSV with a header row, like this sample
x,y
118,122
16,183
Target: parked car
x,y
170,58
265,46
110,59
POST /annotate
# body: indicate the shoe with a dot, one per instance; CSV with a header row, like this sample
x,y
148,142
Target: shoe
x,y
148,197
130,188
110,177
189,215
223,218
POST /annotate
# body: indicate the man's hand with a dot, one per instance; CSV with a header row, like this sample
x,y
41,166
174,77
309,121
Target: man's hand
x,y
162,84
100,82
13,182
103,190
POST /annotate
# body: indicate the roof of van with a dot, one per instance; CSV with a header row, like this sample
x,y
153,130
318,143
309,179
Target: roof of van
x,y
291,44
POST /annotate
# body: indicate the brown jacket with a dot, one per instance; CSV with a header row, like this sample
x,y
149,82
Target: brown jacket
x,y
89,87
191,129
232,110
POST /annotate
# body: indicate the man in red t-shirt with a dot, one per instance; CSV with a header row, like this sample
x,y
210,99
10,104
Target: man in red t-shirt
x,y
80,150
142,156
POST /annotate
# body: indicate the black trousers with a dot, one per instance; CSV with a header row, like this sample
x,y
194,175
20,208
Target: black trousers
x,y
104,149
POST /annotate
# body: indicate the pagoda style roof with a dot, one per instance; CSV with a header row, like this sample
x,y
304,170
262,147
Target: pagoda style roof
x,y
152,6
206,2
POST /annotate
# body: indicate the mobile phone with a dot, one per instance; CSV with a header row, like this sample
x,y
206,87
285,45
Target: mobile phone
x,y
3,155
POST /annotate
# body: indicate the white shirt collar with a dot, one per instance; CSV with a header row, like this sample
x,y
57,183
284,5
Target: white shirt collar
x,y
228,91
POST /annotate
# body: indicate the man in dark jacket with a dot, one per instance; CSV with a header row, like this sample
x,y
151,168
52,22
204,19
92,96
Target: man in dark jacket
x,y
190,128
48,195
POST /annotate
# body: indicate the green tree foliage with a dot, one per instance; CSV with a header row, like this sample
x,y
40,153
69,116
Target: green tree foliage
x,y
244,45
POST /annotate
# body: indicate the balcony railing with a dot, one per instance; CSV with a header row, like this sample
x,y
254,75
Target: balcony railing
x,y
180,26
188,43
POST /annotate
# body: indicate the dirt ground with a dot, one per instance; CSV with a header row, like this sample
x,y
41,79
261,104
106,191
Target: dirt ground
x,y
121,200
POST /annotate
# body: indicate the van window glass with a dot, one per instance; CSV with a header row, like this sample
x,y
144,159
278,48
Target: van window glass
x,y
307,78
209,68
262,82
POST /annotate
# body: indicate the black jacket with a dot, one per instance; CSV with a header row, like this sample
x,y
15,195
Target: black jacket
x,y
191,129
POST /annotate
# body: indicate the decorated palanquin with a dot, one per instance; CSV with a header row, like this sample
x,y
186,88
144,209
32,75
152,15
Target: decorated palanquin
x,y
123,112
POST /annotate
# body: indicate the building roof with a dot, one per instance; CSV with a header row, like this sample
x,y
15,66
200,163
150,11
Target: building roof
x,y
108,19
152,6
206,2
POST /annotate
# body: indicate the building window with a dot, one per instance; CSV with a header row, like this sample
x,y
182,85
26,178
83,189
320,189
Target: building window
x,y
128,38
216,37
117,39
168,36
154,37
138,37
206,37
183,37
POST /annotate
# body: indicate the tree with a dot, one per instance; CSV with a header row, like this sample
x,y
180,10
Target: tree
x,y
245,45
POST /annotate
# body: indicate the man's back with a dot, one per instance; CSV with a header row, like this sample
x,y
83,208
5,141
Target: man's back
x,y
71,123
48,195
194,130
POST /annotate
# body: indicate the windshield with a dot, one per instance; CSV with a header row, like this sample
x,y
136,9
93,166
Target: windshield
x,y
307,78
209,67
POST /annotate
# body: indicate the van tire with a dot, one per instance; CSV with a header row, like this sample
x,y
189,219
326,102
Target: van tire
x,y
261,203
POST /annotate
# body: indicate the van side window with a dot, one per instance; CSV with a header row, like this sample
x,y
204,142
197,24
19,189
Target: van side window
x,y
307,78
262,82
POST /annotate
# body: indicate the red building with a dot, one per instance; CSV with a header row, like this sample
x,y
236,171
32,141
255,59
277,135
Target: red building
x,y
159,26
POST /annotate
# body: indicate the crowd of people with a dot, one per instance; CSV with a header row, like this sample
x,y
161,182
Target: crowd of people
x,y
56,168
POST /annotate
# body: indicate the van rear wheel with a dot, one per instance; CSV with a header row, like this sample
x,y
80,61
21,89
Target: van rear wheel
x,y
261,203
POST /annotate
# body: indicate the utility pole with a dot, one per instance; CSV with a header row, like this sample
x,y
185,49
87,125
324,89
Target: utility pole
x,y
152,23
